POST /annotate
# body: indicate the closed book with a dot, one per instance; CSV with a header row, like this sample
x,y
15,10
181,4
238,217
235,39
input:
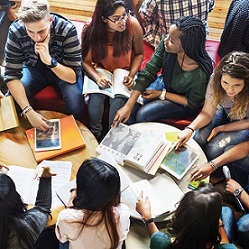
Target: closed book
x,y
71,139
8,115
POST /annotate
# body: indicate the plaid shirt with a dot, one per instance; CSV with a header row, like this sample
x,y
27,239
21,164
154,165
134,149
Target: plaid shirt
x,y
159,15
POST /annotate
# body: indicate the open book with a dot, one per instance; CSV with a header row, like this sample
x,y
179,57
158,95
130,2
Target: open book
x,y
178,162
142,150
162,191
8,115
27,186
117,88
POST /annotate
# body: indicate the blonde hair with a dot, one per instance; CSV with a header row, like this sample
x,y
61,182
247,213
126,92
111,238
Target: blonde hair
x,y
235,64
33,10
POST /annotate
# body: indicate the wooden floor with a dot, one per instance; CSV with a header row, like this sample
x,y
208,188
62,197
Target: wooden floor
x,y
216,18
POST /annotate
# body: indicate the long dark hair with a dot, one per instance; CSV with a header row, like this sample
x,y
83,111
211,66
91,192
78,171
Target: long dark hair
x,y
98,189
196,219
193,40
11,210
235,64
94,35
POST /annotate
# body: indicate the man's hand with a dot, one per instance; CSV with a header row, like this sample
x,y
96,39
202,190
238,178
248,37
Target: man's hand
x,y
43,172
151,94
37,120
232,185
42,49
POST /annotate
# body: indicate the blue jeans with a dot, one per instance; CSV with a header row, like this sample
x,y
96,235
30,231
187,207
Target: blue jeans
x,y
221,141
96,105
36,78
238,229
160,240
162,109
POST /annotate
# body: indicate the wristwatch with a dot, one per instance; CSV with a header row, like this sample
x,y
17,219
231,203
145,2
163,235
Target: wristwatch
x,y
162,96
237,192
53,64
147,222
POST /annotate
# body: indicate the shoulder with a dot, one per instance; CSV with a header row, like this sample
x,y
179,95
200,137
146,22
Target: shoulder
x,y
71,215
62,25
136,27
122,209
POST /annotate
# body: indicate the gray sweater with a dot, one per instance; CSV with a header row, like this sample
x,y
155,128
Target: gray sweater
x,y
35,219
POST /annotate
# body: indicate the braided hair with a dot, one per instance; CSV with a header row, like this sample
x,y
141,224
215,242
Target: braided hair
x,y
193,40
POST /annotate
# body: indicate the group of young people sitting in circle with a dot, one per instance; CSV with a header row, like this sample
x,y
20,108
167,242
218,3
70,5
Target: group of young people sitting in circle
x,y
177,82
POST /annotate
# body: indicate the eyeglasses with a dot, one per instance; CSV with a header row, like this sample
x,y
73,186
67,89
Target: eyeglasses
x,y
119,20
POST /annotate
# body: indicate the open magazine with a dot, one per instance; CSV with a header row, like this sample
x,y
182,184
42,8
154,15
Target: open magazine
x,y
178,162
117,88
128,146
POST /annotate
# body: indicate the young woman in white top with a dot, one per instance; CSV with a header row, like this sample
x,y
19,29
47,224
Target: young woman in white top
x,y
96,218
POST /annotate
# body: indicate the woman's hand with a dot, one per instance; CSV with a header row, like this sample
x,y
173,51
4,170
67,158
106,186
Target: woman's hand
x,y
232,185
128,82
121,116
103,82
183,137
214,132
201,172
151,94
143,206
43,172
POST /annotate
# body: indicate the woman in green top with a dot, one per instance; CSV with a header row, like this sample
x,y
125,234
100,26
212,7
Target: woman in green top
x,y
195,224
186,68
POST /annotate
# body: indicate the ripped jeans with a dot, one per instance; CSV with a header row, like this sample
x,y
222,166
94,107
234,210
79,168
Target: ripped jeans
x,y
221,141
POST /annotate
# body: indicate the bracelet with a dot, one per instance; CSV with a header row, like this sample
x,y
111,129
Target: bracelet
x,y
147,222
213,165
188,127
162,96
25,110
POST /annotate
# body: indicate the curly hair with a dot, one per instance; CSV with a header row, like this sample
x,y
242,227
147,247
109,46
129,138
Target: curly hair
x,y
235,64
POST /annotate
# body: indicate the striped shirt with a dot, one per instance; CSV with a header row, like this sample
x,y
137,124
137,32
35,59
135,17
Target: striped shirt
x,y
20,48
158,15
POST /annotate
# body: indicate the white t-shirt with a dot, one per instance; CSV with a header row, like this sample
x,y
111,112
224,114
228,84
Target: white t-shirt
x,y
69,228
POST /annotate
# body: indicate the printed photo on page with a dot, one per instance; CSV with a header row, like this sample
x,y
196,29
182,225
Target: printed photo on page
x,y
50,139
